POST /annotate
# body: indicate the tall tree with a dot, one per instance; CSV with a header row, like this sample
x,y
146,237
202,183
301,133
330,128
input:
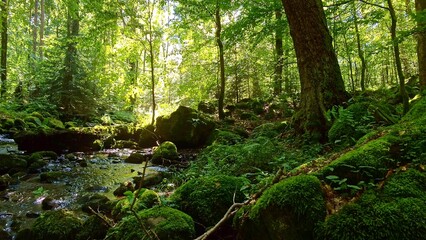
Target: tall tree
x,y
358,44
321,81
421,41
279,51
4,40
395,44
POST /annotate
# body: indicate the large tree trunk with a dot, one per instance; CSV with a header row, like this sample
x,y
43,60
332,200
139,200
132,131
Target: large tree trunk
x,y
4,41
421,44
320,77
221,61
401,78
279,52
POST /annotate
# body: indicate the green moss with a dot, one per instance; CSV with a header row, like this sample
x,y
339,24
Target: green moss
x,y
403,218
60,224
12,163
37,115
166,150
93,228
224,137
135,158
51,177
33,120
366,162
149,199
207,199
165,222
19,124
406,184
290,209
55,123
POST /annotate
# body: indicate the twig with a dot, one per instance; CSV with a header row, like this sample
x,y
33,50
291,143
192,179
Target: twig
x,y
102,217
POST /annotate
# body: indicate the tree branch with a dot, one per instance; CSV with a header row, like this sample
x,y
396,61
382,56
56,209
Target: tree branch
x,y
373,4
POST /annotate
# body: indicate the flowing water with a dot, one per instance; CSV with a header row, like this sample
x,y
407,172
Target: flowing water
x,y
20,204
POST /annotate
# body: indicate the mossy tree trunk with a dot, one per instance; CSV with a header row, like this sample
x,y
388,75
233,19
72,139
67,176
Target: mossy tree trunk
x,y
421,42
321,80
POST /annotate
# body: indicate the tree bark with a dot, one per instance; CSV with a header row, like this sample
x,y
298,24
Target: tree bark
x,y
320,76
4,41
421,44
398,64
279,53
35,26
151,57
221,61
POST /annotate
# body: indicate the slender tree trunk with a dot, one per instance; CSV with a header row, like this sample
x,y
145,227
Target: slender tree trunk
x,y
279,53
221,61
402,90
151,57
4,41
360,51
351,73
42,24
321,81
421,44
35,26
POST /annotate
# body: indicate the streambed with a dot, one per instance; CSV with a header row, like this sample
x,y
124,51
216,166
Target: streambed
x,y
21,202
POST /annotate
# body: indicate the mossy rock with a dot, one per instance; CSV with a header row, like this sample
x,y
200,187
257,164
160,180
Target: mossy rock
x,y
164,222
206,107
165,153
8,123
411,183
146,136
97,202
37,165
48,155
147,199
12,163
136,158
55,123
93,228
290,210
55,176
224,137
375,219
19,124
5,181
125,144
38,116
150,179
60,224
207,199
33,120
185,127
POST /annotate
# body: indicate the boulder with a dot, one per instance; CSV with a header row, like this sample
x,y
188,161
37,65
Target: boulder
x,y
59,224
165,154
136,158
11,164
185,127
93,228
165,222
56,140
289,209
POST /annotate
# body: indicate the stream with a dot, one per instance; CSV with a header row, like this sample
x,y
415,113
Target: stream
x,y
20,203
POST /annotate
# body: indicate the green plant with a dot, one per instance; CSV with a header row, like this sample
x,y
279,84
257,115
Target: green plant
x,y
40,192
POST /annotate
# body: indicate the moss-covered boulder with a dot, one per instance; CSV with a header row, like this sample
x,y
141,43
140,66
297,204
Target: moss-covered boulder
x,y
46,155
93,228
55,123
136,158
206,107
207,199
185,127
150,179
56,140
163,222
288,210
165,154
147,137
12,163
59,224
146,199
96,202
376,219
5,181
54,176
